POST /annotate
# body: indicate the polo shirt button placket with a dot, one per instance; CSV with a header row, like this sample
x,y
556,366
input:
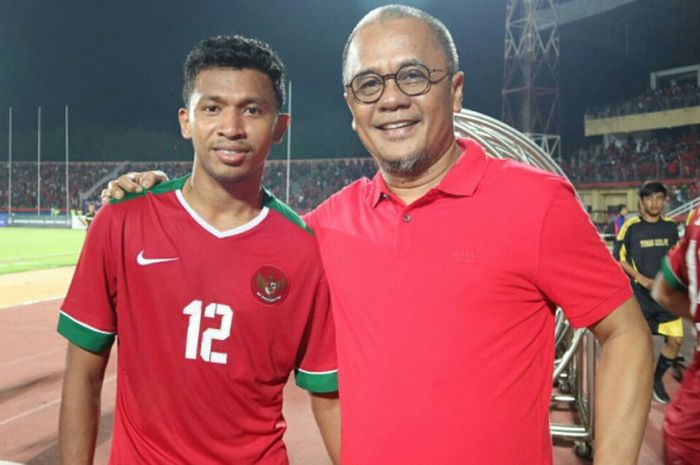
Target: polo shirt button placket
x,y
404,234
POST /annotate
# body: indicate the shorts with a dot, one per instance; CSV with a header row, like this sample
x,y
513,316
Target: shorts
x,y
672,328
661,322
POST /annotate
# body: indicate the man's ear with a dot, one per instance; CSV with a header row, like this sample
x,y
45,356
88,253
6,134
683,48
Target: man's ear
x,y
183,115
284,120
457,91
348,99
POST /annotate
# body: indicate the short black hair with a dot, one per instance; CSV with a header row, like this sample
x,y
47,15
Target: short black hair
x,y
237,52
652,187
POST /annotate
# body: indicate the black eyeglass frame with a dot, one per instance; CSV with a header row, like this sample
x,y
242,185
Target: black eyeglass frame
x,y
384,77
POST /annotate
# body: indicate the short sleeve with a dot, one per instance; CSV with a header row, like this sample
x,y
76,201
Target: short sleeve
x,y
621,244
87,316
317,366
575,270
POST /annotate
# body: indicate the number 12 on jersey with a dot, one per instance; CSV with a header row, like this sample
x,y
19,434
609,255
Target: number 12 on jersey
x,y
194,310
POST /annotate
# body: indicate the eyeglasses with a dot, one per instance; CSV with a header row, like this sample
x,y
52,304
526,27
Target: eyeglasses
x,y
412,80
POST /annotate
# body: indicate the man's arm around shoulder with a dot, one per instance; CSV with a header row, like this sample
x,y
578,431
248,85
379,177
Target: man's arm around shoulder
x,y
623,385
80,404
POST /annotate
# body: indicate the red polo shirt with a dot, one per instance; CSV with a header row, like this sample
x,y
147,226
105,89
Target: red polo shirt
x,y
444,310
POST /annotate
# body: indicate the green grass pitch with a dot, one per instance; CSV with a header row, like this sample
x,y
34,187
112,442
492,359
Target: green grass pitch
x,y
23,249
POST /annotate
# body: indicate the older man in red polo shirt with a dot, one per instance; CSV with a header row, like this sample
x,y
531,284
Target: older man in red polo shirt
x,y
444,322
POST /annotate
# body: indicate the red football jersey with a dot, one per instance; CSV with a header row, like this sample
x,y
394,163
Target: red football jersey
x,y
682,421
209,325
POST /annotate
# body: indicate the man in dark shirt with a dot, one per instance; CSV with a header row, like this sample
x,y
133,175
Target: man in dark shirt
x,y
641,244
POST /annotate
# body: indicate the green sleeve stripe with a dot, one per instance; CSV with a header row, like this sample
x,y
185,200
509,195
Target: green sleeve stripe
x,y
283,209
671,277
83,336
167,186
317,382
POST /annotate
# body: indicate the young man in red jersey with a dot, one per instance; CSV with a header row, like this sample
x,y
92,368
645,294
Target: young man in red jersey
x,y
445,326
676,288
213,288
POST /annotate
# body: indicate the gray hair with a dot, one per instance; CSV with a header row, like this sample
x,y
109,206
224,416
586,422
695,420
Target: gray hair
x,y
389,12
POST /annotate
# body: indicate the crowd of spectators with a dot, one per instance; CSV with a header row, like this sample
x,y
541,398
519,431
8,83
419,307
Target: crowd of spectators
x,y
315,180
52,188
659,99
680,194
637,159
312,181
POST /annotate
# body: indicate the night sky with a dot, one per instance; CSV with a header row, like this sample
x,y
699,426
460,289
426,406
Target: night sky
x,y
117,64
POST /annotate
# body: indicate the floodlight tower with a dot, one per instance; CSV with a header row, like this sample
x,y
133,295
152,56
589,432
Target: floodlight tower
x,y
530,92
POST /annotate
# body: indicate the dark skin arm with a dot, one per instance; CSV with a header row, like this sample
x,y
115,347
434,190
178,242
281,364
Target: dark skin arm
x,y
326,410
80,405
623,385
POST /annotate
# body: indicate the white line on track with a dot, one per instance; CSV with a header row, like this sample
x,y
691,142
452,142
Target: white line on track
x,y
43,406
29,257
31,357
5,462
32,302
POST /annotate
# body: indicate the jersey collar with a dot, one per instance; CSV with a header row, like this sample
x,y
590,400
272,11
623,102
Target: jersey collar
x,y
460,181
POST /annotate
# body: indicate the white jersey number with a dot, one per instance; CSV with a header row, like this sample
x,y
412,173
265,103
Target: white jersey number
x,y
194,310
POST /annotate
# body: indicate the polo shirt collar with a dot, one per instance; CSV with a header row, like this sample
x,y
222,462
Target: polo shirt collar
x,y
461,180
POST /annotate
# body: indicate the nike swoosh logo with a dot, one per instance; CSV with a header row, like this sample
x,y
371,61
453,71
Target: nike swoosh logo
x,y
141,260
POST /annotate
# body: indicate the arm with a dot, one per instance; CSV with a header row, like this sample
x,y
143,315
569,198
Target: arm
x,y
671,298
326,411
131,182
623,385
80,404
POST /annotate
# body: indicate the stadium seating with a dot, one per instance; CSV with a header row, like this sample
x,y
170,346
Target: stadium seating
x,y
660,156
312,181
665,98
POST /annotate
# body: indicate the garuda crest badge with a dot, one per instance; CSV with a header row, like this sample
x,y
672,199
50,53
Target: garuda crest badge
x,y
269,285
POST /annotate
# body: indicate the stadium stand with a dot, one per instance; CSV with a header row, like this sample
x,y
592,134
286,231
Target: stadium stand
x,y
661,155
659,99
312,181
53,190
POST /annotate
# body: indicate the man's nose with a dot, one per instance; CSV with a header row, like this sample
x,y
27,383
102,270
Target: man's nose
x,y
392,97
231,125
